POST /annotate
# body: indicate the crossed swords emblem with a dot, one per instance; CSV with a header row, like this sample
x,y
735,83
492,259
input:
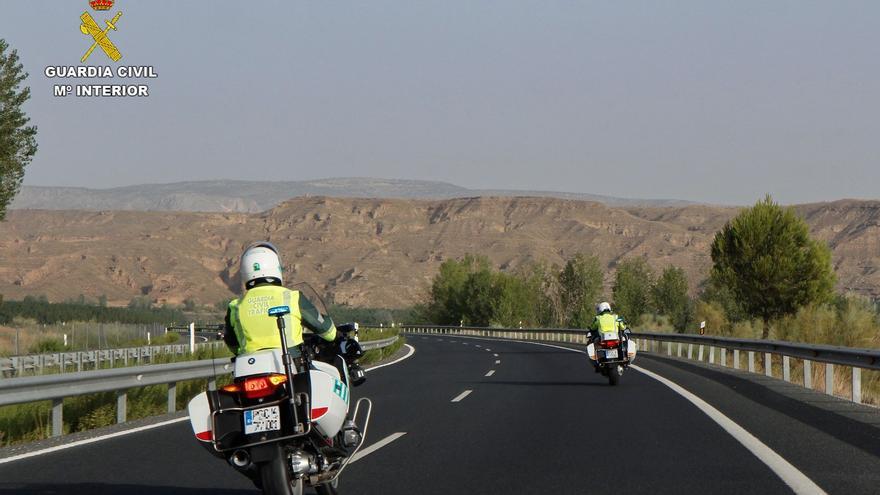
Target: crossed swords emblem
x,y
91,28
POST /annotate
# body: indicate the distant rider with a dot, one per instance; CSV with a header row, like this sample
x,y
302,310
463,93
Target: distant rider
x,y
606,322
249,328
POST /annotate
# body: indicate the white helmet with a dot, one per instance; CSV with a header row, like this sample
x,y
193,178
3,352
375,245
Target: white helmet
x,y
260,261
603,307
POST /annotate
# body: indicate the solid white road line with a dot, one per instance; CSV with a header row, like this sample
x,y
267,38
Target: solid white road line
x,y
376,446
461,396
91,440
790,475
497,361
490,373
409,354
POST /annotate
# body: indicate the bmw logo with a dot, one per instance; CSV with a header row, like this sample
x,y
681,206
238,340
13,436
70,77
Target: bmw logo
x,y
252,360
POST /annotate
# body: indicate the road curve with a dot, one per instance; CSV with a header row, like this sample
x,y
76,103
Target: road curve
x,y
466,415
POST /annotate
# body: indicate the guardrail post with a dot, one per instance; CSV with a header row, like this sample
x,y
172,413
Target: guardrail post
x,y
736,359
700,353
690,351
711,354
172,397
121,399
669,348
679,350
57,417
857,385
79,361
768,364
751,361
829,378
212,384
723,357
808,374
786,368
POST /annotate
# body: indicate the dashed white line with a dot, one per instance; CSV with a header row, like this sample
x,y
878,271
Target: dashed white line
x,y
496,355
490,350
376,446
461,396
497,361
478,345
490,373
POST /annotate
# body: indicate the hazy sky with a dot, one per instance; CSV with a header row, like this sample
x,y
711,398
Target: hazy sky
x,y
710,101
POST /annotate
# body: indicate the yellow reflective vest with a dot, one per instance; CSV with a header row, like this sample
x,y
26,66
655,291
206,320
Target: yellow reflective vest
x,y
255,330
608,323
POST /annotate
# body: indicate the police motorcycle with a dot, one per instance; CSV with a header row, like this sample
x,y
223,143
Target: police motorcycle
x,y
284,420
611,353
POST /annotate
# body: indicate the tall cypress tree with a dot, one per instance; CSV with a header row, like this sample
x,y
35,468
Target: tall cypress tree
x,y
18,142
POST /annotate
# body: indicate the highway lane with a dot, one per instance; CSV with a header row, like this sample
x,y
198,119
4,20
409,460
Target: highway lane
x,y
542,422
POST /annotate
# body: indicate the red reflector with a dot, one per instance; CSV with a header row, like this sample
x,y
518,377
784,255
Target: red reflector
x,y
609,343
206,436
318,412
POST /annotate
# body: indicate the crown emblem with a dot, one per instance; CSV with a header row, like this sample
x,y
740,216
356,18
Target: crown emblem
x,y
101,4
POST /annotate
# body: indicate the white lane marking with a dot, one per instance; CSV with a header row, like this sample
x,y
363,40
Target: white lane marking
x,y
478,345
490,350
464,343
497,361
409,354
87,441
792,477
490,373
376,446
461,396
496,355
91,440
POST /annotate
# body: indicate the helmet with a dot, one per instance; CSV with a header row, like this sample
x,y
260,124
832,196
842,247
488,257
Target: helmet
x,y
260,262
603,307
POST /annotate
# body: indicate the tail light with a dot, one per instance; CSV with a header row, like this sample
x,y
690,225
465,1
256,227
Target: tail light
x,y
609,344
256,387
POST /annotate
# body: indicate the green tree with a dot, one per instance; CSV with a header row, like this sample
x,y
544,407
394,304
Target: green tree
x,y
18,142
580,283
447,300
768,261
670,297
632,289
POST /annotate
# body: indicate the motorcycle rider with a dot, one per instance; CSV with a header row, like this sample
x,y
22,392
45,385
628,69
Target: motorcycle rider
x,y
606,321
249,328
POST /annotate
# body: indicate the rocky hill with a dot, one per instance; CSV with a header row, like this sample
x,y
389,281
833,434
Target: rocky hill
x,y
378,252
255,196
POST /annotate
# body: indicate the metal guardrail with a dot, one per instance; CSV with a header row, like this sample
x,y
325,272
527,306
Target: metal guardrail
x,y
83,360
856,359
57,387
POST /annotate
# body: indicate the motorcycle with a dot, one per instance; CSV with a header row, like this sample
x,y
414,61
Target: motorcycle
x,y
283,422
612,353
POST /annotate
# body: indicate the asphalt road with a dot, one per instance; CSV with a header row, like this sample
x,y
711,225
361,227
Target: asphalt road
x,y
540,422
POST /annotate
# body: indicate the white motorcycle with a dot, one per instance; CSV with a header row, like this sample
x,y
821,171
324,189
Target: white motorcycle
x,y
283,422
611,354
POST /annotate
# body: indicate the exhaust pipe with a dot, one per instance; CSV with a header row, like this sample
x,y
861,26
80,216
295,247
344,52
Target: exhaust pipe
x,y
240,459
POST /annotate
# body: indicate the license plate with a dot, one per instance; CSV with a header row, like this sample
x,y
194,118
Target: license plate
x,y
611,354
265,419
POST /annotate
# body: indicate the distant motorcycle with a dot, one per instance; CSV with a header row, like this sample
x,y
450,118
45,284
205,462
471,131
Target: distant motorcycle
x,y
612,353
283,422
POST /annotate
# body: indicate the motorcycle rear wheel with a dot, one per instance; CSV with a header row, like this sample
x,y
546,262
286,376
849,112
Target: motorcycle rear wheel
x,y
613,375
276,479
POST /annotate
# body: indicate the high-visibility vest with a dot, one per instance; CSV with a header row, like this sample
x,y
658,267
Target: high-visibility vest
x,y
253,326
608,323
